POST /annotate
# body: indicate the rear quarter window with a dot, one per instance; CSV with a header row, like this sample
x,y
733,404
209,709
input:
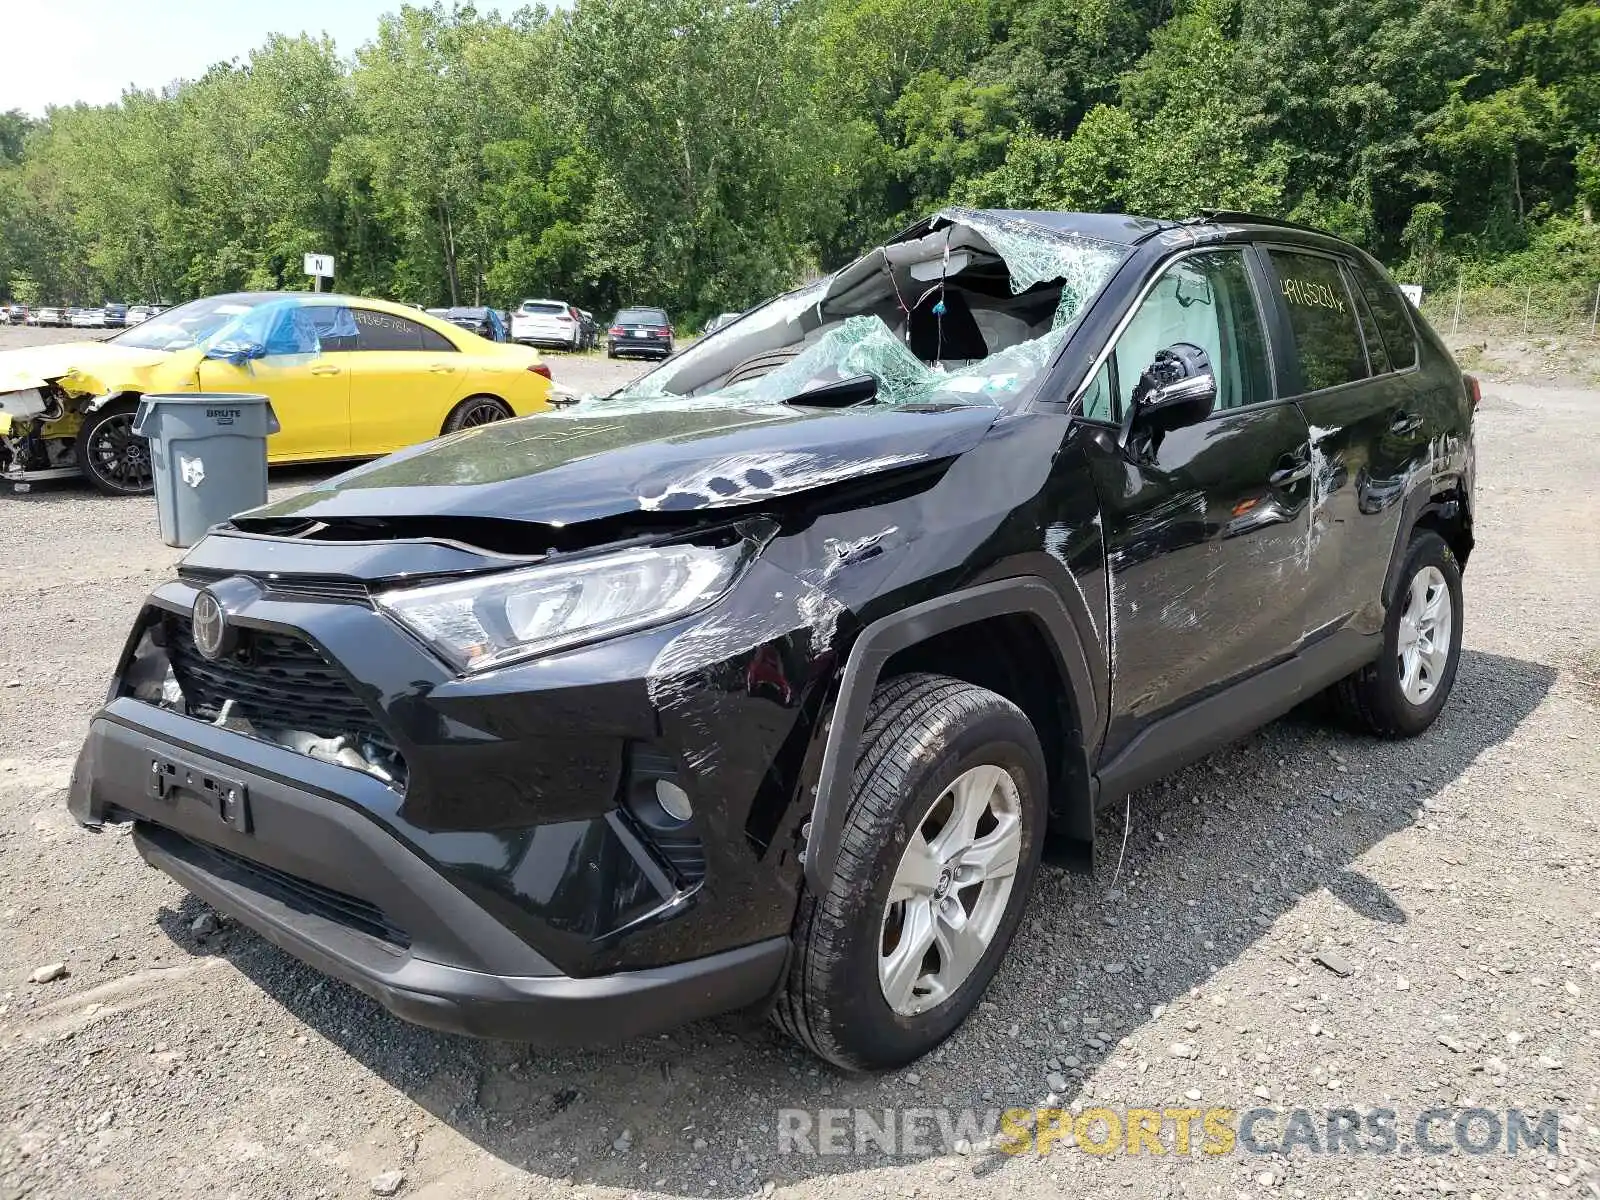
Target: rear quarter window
x,y
1322,319
1393,317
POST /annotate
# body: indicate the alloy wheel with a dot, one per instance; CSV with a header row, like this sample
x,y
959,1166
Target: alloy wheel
x,y
1423,645
120,456
950,890
482,413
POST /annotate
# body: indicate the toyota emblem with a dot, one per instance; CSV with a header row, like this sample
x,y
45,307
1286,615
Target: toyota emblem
x,y
211,632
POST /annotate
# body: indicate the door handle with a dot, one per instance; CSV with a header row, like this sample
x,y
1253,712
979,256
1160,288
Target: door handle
x,y
326,369
1297,470
1405,423
442,369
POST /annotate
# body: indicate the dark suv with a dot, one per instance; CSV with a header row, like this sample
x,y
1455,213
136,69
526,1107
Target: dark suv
x,y
485,322
762,681
639,331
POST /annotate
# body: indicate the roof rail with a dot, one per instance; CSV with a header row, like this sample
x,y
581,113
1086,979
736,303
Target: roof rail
x,y
1209,216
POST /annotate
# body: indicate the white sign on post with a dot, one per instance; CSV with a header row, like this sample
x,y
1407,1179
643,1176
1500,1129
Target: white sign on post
x,y
320,265
1411,291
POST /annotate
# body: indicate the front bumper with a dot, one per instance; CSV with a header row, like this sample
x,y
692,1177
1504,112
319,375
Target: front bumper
x,y
519,854
281,857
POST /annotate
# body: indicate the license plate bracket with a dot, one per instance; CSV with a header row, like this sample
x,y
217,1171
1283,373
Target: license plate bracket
x,y
224,795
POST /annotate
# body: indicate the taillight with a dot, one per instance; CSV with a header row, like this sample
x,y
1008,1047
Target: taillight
x,y
615,331
1474,390
540,368
666,331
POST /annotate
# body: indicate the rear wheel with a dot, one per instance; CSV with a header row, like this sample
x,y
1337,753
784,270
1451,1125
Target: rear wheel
x,y
476,410
939,848
1400,694
111,456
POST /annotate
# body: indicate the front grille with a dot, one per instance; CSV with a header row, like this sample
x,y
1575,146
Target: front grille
x,y
335,588
275,680
299,894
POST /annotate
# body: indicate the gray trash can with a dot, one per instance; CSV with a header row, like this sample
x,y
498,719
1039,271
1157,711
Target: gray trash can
x,y
208,453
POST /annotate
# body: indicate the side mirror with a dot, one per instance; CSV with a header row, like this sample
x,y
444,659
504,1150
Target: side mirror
x,y
1177,389
236,352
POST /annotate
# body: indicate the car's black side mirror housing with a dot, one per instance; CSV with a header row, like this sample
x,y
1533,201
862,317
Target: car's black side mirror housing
x,y
1177,389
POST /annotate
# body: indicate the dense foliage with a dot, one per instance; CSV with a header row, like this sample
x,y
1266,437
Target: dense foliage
x,y
704,155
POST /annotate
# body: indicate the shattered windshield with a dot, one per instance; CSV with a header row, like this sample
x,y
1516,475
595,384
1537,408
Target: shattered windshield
x,y
967,308
189,324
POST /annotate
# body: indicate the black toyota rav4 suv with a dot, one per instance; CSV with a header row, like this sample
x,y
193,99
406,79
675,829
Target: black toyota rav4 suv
x,y
763,681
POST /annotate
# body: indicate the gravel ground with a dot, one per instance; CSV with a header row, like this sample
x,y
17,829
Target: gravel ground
x,y
1453,878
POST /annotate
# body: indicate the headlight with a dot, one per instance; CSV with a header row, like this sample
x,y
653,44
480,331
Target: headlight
x,y
485,621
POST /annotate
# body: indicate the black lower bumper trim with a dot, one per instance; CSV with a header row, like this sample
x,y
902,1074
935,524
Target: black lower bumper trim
x,y
547,1010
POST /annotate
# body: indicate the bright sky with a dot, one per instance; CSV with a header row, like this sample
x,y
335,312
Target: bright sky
x,y
63,51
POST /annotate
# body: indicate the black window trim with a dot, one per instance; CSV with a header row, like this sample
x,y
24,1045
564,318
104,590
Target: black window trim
x,y
355,306
1345,274
1256,281
1377,270
1358,301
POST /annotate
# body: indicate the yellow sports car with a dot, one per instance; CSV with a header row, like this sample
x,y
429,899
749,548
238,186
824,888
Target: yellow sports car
x,y
348,378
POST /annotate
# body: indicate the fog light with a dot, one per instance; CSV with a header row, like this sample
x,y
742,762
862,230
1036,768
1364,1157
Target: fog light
x,y
673,799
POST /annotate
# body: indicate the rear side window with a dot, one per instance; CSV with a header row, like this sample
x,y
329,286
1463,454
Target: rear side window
x,y
1327,340
1390,311
385,331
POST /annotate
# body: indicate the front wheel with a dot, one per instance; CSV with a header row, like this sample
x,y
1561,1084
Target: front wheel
x,y
111,456
1400,694
941,841
476,410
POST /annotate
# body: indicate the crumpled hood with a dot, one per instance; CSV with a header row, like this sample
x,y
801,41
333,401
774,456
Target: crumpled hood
x,y
562,468
92,367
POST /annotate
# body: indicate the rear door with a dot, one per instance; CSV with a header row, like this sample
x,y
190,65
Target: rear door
x,y
406,377
1204,525
1366,429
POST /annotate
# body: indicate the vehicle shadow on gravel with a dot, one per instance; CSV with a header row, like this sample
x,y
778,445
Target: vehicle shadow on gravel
x,y
1216,855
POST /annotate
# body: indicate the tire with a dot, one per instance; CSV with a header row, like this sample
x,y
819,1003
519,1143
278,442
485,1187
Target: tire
x,y
923,733
476,410
112,458
1375,698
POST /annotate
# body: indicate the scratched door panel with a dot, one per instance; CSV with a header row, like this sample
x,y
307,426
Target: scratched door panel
x,y
1364,433
1207,555
1361,462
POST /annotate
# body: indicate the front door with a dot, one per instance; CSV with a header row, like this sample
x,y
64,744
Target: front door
x,y
310,394
1205,526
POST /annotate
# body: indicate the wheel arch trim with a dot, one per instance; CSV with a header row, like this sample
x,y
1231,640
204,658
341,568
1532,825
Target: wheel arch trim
x,y
879,641
1447,495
